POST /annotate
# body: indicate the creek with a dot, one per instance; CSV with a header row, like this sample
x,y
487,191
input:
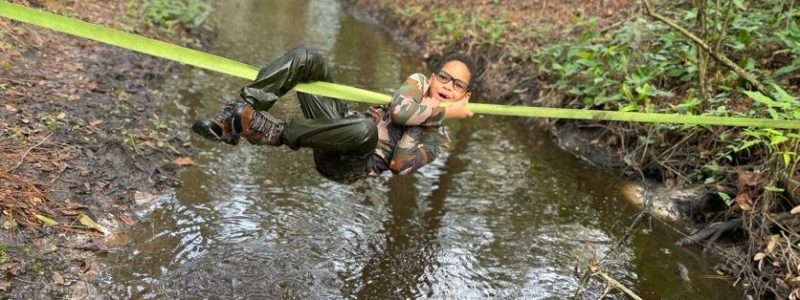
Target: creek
x,y
506,215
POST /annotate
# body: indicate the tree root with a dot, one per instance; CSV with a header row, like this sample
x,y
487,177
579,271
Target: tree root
x,y
711,233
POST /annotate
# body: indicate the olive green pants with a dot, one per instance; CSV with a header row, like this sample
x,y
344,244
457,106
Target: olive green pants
x,y
342,140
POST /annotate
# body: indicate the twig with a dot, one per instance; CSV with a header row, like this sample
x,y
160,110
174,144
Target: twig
x,y
702,44
794,165
725,23
26,153
781,225
617,285
628,232
581,283
702,57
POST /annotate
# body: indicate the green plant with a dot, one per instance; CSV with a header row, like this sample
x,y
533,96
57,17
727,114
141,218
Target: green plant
x,y
4,257
452,26
169,13
779,143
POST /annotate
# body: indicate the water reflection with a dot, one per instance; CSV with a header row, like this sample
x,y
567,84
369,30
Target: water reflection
x,y
406,265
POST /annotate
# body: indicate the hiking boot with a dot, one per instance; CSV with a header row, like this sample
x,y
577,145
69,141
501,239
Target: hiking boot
x,y
258,127
218,127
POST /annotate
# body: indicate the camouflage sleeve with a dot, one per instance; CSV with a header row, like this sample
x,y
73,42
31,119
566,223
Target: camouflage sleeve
x,y
410,155
408,107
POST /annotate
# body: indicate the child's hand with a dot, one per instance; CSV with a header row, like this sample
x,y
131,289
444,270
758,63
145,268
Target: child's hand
x,y
458,110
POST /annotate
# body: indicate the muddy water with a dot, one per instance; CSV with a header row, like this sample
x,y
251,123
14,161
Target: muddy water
x,y
505,215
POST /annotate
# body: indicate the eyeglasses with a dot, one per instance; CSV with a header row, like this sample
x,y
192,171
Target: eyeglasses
x,y
458,84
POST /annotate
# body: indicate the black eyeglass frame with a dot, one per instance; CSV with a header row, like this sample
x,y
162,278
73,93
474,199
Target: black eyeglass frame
x,y
445,77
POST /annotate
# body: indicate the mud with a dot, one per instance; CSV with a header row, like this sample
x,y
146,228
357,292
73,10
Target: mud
x,y
80,121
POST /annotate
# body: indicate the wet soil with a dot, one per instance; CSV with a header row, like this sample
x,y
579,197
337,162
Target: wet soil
x,y
81,137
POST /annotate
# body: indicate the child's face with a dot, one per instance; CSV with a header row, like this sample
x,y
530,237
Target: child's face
x,y
451,83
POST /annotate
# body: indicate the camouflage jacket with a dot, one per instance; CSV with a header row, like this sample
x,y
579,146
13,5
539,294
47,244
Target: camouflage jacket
x,y
410,131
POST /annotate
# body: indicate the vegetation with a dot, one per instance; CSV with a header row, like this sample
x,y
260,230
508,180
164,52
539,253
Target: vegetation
x,y
646,64
166,15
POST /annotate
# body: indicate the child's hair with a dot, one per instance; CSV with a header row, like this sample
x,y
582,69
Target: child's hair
x,y
467,60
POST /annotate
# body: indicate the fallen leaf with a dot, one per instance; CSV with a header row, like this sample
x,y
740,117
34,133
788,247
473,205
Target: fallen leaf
x,y
46,220
796,210
10,268
183,161
9,223
794,282
35,200
10,108
743,201
91,86
94,123
57,278
86,221
771,244
4,285
100,245
759,256
127,220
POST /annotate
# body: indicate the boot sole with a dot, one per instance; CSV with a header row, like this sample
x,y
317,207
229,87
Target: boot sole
x,y
206,129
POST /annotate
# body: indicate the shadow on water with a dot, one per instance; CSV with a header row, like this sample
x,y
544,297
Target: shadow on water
x,y
505,215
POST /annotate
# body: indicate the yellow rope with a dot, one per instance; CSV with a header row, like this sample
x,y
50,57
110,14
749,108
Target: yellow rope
x,y
227,66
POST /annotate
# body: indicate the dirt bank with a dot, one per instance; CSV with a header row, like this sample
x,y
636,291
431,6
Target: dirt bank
x,y
82,139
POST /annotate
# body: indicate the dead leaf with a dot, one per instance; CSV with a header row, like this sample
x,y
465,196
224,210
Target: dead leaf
x,y
94,123
771,244
100,245
11,268
759,256
57,278
183,161
743,201
91,86
795,210
4,285
46,220
35,200
11,109
9,223
127,220
794,282
86,221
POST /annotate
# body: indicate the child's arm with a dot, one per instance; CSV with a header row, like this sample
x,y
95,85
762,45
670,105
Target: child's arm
x,y
411,153
410,108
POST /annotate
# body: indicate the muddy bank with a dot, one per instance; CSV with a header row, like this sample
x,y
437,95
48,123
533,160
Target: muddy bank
x,y
81,138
